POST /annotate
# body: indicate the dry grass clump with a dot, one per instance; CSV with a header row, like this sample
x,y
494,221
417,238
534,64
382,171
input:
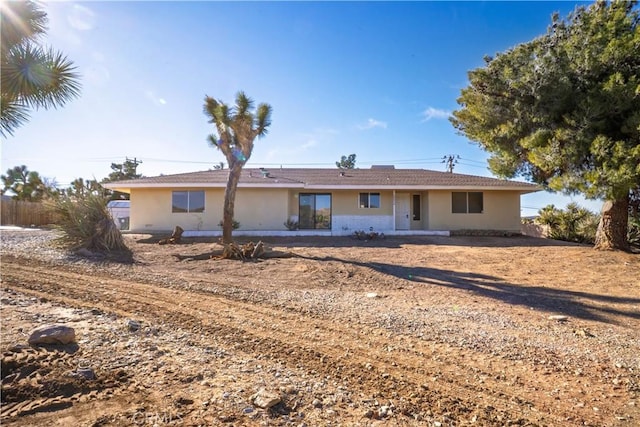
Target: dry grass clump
x,y
86,223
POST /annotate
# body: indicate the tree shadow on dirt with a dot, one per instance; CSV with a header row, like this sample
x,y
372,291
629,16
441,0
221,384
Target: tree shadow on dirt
x,y
583,305
115,257
301,241
399,241
386,242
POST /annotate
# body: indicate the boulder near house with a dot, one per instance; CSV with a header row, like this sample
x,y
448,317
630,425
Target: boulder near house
x,y
326,202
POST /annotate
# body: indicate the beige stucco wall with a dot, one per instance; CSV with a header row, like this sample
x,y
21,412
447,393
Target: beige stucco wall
x,y
501,212
268,209
264,209
261,209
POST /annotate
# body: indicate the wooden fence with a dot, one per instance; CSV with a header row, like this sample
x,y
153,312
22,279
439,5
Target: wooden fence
x,y
25,214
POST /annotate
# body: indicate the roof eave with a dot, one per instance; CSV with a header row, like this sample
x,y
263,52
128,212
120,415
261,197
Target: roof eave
x,y
523,189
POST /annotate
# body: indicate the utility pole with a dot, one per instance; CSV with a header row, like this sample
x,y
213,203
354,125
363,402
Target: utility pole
x,y
451,160
135,162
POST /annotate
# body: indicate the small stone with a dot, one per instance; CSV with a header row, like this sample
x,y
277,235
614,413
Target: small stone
x,y
52,334
86,373
559,318
384,411
183,400
247,410
265,399
133,325
583,333
316,403
372,295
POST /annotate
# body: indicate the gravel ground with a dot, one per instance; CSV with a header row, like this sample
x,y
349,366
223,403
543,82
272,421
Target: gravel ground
x,y
489,328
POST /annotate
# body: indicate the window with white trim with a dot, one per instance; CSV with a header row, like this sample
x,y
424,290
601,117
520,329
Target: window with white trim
x,y
467,202
187,201
369,200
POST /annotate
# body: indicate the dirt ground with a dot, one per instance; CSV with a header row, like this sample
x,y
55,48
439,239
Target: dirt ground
x,y
435,331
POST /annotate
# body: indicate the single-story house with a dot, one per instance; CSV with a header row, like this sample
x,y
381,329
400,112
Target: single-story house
x,y
326,201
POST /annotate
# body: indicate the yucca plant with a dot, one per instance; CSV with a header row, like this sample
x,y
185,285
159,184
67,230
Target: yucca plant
x,y
633,235
85,222
575,224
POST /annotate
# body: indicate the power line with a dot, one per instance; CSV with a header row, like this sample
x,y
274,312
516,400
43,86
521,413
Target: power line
x,y
473,166
473,161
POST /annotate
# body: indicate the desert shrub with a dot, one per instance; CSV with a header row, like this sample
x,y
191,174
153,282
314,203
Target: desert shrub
x,y
573,224
85,222
367,235
291,225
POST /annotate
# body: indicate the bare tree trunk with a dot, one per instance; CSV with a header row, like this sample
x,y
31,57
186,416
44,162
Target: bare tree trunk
x,y
612,229
229,202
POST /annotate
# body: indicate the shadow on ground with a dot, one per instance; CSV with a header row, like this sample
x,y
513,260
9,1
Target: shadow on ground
x,y
386,242
583,305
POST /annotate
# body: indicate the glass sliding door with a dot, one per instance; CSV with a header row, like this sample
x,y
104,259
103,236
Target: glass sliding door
x,y
307,211
314,211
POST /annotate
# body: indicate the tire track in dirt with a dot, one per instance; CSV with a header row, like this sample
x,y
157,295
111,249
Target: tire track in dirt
x,y
37,379
397,374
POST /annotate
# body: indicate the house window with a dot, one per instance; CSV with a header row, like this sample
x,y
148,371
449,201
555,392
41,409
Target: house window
x,y
369,200
188,201
467,202
415,206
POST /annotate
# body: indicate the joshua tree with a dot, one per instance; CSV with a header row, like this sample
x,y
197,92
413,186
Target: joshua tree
x,y
237,127
32,76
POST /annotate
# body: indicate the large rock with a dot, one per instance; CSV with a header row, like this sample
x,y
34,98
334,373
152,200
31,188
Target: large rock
x,y
265,399
52,334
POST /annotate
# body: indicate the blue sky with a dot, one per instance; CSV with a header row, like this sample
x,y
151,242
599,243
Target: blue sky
x,y
377,79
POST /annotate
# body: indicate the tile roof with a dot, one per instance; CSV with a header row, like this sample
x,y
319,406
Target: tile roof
x,y
375,178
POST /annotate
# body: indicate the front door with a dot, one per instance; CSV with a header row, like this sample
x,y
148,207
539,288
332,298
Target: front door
x,y
402,211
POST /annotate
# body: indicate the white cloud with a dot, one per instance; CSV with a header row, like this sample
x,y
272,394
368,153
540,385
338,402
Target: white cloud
x,y
373,123
310,143
315,137
81,18
434,113
155,98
